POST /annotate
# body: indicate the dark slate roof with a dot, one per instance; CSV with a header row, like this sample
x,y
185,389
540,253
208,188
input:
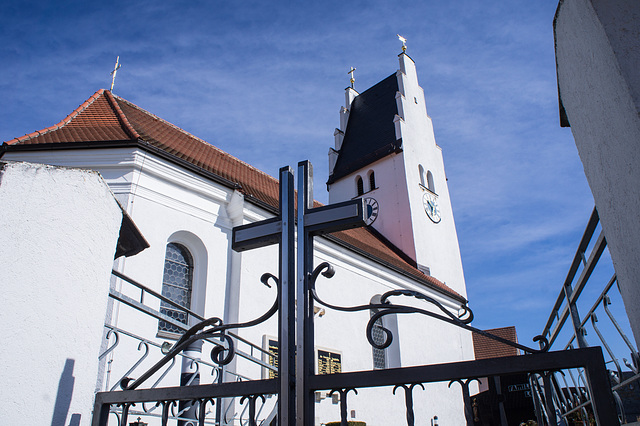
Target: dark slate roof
x,y
370,133
106,120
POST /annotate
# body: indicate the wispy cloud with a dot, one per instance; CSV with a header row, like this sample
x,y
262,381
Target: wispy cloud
x,y
265,80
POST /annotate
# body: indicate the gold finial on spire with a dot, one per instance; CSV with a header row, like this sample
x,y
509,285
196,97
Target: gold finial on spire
x,y
113,73
353,79
404,42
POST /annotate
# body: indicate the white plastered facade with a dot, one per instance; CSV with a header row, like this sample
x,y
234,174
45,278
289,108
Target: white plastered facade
x,y
598,58
59,229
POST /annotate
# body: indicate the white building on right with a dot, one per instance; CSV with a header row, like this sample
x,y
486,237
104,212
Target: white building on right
x,y
598,69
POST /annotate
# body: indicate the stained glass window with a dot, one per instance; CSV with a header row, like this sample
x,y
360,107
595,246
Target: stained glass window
x,y
379,355
177,281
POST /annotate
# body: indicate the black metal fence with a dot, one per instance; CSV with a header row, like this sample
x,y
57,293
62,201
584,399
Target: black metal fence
x,y
296,383
591,286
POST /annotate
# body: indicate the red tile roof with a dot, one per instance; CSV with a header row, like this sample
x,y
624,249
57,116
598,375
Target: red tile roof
x,y
485,347
105,119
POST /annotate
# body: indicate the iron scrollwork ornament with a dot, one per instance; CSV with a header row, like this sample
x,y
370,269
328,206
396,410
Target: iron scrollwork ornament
x,y
385,307
210,328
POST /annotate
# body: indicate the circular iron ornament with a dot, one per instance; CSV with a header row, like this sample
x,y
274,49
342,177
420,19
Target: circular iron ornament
x,y
431,207
218,350
372,210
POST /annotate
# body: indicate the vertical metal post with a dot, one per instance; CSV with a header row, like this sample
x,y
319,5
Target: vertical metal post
x,y
503,415
189,376
100,412
575,317
535,395
305,332
548,398
286,305
466,398
219,401
602,402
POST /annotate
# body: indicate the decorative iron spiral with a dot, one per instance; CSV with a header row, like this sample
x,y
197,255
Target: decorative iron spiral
x,y
385,307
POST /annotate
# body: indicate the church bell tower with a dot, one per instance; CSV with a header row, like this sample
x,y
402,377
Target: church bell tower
x,y
386,153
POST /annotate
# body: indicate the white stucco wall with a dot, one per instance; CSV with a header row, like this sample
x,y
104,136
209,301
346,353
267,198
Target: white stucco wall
x,y
598,58
59,229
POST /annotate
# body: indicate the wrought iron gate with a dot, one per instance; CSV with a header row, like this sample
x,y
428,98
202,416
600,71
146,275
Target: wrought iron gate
x,y
297,382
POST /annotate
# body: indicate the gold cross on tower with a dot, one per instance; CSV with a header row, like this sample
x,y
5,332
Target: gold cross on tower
x,y
353,79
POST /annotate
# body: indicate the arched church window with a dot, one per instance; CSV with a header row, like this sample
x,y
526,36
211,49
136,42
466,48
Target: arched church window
x,y
379,336
177,283
422,176
372,181
379,355
359,185
430,184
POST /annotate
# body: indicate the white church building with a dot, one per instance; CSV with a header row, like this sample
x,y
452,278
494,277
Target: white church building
x,y
185,196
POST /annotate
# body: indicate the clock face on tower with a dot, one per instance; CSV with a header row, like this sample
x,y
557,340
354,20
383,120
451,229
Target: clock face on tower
x,y
430,203
372,210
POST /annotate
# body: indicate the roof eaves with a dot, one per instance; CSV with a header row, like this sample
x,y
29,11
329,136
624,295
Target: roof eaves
x,y
144,145
62,123
187,164
262,204
51,146
393,247
564,119
376,259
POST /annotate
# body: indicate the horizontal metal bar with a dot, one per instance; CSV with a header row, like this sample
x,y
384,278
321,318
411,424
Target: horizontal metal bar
x,y
255,235
188,311
537,362
594,257
183,393
595,306
626,382
575,264
152,312
208,364
147,310
576,408
153,293
335,217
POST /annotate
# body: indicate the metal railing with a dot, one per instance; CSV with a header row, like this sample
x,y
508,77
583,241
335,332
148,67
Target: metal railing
x,y
571,396
155,347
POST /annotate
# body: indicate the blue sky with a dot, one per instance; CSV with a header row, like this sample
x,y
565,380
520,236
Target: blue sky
x,y
265,81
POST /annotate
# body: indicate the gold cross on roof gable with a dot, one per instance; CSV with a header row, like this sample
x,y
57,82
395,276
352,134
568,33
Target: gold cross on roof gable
x,y
114,72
